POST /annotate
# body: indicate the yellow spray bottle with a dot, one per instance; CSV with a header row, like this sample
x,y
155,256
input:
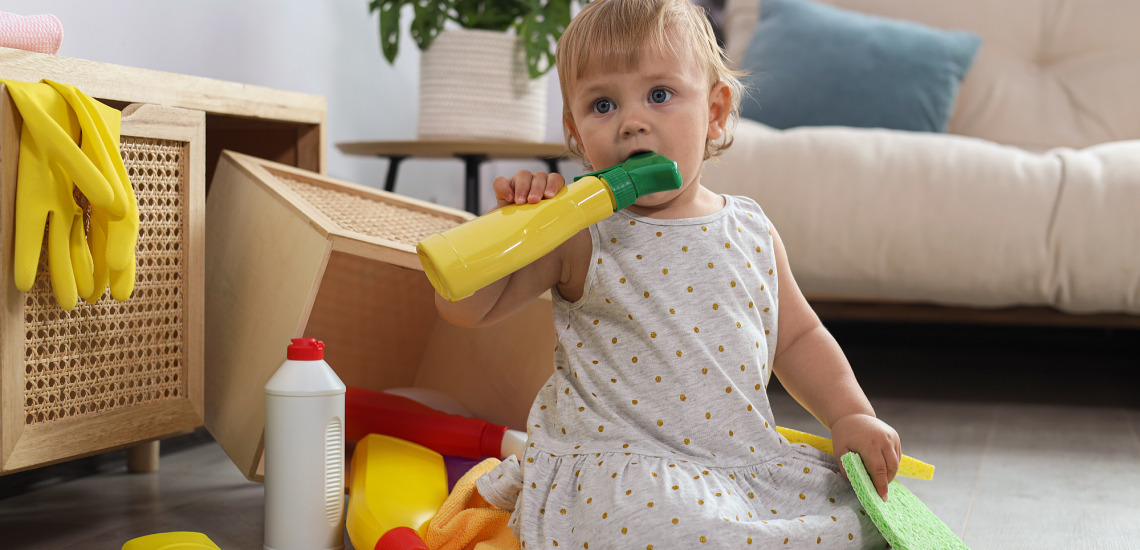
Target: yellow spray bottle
x,y
466,258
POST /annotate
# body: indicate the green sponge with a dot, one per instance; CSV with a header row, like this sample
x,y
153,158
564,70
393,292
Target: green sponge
x,y
903,520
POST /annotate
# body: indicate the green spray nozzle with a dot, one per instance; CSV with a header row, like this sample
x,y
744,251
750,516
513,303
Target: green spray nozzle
x,y
642,174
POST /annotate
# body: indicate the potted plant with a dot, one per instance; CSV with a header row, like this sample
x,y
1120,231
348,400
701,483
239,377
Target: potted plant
x,y
481,82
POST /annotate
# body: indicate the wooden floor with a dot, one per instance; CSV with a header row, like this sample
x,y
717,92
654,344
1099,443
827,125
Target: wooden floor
x,y
1013,476
1033,433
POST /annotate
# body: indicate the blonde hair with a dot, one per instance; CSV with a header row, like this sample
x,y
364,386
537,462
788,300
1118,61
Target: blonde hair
x,y
616,33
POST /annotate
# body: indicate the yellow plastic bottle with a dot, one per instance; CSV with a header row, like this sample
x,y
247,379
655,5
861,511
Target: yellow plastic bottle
x,y
466,258
393,484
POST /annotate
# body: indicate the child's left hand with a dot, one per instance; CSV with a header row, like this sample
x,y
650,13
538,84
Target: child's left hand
x,y
875,441
526,186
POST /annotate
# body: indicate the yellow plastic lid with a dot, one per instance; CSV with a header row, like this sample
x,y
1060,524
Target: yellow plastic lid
x,y
178,540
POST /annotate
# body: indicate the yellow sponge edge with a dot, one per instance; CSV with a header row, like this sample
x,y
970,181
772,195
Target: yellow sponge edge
x,y
908,467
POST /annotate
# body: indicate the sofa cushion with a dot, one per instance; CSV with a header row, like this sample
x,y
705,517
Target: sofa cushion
x,y
817,65
868,213
1049,74
1095,234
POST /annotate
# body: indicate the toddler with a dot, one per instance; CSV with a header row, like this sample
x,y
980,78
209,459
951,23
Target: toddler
x,y
654,430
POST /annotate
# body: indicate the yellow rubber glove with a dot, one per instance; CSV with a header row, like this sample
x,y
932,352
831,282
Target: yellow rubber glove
x,y
112,238
41,198
100,125
122,282
54,138
120,233
44,194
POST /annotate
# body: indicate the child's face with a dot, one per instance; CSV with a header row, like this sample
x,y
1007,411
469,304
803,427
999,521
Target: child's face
x,y
665,106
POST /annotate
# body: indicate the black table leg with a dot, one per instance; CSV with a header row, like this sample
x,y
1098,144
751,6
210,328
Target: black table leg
x,y
393,167
551,164
471,189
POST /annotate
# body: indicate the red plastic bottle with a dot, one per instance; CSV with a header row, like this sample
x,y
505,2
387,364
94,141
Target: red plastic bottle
x,y
369,411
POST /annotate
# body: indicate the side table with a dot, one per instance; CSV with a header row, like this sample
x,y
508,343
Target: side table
x,y
473,154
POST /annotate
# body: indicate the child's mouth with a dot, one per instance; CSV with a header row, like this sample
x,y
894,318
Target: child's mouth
x,y
637,152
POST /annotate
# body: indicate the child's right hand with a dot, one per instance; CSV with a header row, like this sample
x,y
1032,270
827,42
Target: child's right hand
x,y
526,186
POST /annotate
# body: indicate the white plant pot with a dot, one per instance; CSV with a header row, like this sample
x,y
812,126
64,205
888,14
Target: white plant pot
x,y
474,85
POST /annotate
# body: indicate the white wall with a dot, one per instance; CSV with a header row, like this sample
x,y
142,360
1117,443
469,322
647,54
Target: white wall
x,y
327,47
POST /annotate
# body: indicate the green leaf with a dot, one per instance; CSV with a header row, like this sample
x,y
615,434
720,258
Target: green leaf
x,y
540,23
491,15
389,26
541,29
430,16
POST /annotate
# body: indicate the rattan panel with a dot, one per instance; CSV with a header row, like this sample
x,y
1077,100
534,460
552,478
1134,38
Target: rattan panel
x,y
375,218
110,355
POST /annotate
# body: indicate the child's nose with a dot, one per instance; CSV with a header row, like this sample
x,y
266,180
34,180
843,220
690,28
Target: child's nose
x,y
633,124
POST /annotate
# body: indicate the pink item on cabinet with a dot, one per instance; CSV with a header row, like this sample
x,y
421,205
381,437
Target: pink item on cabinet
x,y
34,33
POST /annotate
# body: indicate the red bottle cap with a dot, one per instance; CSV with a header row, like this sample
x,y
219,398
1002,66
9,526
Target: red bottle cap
x,y
401,538
306,349
491,442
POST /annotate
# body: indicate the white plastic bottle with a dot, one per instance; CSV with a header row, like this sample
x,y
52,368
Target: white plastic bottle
x,y
304,452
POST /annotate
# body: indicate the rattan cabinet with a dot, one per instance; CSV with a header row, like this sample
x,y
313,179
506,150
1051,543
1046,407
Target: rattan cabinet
x,y
110,375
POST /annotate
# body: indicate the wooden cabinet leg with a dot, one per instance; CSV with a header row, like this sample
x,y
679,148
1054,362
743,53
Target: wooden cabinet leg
x,y
143,457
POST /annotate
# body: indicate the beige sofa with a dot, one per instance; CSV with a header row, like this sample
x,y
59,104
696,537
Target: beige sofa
x,y
1032,199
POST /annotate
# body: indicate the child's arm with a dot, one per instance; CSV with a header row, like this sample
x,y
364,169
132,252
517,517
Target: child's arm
x,y
812,367
562,266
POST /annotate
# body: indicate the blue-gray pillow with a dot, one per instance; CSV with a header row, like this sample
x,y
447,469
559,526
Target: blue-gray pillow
x,y
818,65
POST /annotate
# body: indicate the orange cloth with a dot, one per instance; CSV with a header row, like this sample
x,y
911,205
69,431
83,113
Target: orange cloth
x,y
467,522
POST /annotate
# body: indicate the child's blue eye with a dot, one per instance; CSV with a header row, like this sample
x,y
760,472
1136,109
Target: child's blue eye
x,y
603,106
660,95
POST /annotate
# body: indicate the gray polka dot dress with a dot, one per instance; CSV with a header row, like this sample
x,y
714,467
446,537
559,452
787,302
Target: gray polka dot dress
x,y
654,430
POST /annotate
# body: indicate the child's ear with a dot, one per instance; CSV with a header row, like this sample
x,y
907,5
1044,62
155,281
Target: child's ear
x,y
720,105
568,121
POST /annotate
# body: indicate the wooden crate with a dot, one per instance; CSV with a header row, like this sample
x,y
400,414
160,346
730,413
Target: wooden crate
x,y
110,374
291,253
